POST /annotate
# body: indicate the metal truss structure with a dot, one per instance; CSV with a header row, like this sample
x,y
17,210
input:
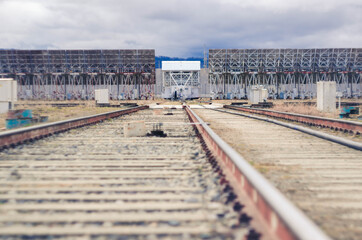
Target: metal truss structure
x,y
75,74
286,73
185,83
181,78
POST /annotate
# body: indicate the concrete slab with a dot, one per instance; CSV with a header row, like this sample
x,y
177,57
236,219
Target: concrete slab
x,y
154,106
135,129
157,111
326,96
211,106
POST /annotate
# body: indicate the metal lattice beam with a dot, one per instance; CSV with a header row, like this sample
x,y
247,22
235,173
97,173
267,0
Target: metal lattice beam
x,y
59,74
293,72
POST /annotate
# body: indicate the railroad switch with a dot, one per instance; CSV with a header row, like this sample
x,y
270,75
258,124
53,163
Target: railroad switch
x,y
157,131
237,207
253,235
169,112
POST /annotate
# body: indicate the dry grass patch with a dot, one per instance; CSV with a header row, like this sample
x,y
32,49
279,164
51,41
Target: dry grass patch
x,y
302,108
60,113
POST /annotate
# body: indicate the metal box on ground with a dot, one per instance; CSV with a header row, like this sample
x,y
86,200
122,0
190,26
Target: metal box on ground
x,y
254,95
15,123
22,117
263,94
20,113
101,96
326,96
348,110
258,94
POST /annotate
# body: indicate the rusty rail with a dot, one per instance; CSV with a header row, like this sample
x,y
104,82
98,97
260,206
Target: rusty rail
x,y
281,218
18,136
339,140
336,124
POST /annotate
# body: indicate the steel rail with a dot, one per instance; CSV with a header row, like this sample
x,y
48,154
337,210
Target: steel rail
x,y
18,136
339,140
283,219
349,126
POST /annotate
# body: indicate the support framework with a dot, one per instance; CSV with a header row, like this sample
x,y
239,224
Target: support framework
x,y
182,77
286,73
75,74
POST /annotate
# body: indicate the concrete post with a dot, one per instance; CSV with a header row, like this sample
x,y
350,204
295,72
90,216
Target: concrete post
x,y
326,96
101,96
254,95
8,94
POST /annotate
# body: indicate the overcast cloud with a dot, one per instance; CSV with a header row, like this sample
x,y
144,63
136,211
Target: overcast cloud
x,y
180,28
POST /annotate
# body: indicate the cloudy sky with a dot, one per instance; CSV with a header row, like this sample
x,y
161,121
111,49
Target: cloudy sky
x,y
180,28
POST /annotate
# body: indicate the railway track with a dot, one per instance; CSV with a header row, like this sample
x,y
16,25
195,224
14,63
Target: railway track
x,y
334,124
93,182
321,177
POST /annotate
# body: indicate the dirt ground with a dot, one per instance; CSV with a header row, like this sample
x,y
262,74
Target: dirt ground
x,y
307,107
86,108
57,113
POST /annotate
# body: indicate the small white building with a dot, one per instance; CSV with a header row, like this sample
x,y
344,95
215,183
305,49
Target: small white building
x,y
180,79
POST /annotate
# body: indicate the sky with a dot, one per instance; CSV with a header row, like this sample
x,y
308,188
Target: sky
x,y
180,28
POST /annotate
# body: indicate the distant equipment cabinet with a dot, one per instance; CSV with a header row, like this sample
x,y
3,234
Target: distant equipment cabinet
x,y
326,96
8,94
180,79
101,96
258,94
